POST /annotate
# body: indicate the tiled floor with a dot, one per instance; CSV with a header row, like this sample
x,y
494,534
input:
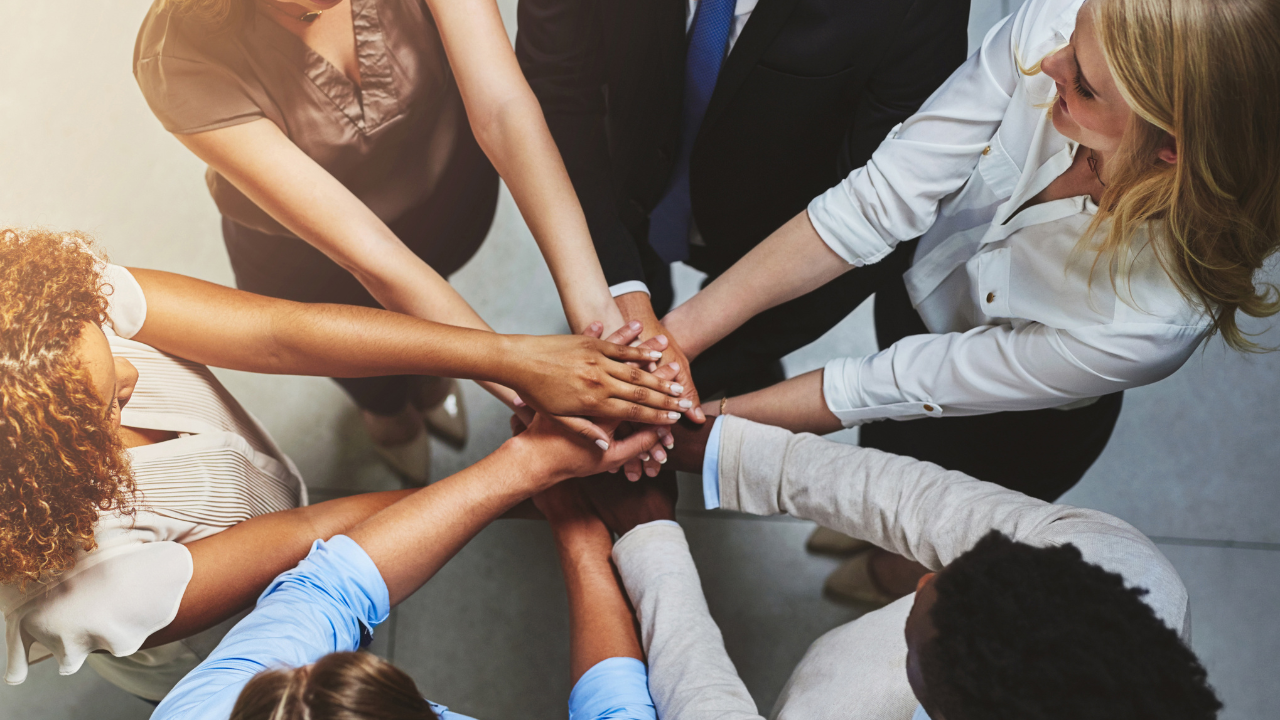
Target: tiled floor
x,y
1193,462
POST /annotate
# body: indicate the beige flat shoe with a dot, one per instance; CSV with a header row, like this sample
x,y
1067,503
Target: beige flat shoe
x,y
852,582
411,460
825,541
447,419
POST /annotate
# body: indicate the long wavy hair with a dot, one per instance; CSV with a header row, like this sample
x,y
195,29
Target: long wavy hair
x,y
61,461
1206,72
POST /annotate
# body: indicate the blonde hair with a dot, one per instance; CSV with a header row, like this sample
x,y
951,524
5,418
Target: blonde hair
x,y
1206,72
61,461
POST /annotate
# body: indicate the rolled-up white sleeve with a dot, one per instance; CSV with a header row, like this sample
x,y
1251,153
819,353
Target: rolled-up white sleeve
x,y
895,196
1003,367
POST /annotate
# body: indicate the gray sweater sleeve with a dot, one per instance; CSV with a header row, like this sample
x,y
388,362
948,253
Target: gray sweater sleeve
x,y
922,511
690,675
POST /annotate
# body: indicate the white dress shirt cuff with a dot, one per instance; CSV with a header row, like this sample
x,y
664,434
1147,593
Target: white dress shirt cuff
x,y
842,388
629,286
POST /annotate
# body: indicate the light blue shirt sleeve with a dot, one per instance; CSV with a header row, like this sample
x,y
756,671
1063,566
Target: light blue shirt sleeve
x,y
711,468
308,612
613,689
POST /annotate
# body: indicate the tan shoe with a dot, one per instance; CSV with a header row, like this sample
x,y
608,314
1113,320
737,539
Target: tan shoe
x,y
852,582
825,541
410,460
447,419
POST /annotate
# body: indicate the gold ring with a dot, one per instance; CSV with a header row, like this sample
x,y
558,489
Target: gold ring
x,y
723,402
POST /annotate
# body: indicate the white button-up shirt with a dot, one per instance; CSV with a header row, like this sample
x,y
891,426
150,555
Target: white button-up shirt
x,y
1021,318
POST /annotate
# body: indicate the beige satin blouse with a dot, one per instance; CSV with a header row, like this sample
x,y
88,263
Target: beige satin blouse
x,y
388,140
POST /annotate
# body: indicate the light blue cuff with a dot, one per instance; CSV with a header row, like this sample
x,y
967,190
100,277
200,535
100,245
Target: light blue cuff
x,y
613,689
711,468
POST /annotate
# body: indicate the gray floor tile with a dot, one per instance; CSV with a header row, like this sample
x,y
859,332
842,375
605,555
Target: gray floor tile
x,y
83,696
1233,623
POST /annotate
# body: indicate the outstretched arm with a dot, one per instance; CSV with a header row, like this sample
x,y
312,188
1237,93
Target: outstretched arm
x,y
600,622
509,125
562,375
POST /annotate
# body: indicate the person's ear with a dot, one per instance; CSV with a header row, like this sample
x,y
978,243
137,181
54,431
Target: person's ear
x,y
1168,151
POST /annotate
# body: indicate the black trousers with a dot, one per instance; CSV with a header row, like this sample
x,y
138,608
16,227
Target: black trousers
x,y
445,231
1042,453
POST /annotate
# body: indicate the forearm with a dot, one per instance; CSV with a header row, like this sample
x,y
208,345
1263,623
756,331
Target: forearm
x,y
796,404
231,568
520,146
789,263
600,621
411,540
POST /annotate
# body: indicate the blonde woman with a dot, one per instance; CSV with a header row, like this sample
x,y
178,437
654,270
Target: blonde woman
x,y
1070,215
140,504
351,147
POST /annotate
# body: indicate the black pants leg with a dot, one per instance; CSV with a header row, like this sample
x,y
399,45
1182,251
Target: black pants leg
x,y
445,231
1042,453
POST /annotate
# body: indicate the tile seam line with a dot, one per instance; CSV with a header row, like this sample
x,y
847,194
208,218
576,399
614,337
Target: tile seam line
x,y
1224,544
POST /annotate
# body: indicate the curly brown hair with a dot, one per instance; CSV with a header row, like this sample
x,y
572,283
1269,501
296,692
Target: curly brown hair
x,y
61,461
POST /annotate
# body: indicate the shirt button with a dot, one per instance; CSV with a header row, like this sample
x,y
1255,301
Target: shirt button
x,y
928,408
986,150
991,297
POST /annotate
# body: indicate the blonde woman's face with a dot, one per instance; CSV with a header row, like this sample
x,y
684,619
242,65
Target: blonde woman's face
x,y
113,378
1090,108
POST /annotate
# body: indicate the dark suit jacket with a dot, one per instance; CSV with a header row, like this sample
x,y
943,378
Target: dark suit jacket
x,y
808,92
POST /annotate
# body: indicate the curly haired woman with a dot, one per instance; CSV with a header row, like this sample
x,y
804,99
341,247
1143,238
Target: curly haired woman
x,y
133,486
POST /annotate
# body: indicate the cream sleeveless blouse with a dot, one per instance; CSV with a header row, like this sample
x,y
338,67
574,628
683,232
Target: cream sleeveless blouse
x,y
222,469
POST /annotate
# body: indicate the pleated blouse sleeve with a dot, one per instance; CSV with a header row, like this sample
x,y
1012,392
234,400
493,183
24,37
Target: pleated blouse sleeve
x,y
112,600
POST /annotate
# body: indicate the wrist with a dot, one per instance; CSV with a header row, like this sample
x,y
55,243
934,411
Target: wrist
x,y
536,471
677,325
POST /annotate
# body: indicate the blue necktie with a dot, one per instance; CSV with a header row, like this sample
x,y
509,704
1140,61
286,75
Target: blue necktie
x,y
669,222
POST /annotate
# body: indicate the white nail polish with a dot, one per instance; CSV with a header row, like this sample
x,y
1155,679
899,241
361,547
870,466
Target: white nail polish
x,y
677,389
662,460
673,415
655,355
670,444
603,445
686,404
644,457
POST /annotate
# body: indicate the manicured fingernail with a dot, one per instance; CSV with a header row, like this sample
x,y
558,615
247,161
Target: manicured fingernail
x,y
603,445
633,478
661,338
634,324
644,457
655,354
651,472
594,326
677,389
669,442
517,401
697,412
613,471
674,366
686,404
660,456
673,415
653,367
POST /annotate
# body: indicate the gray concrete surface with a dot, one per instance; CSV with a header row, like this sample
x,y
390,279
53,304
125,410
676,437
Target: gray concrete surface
x,y
1193,462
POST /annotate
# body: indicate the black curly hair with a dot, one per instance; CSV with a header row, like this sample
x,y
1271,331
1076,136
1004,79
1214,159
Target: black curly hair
x,y
1037,633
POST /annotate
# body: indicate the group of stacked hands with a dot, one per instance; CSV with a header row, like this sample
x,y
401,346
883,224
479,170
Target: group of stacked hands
x,y
145,508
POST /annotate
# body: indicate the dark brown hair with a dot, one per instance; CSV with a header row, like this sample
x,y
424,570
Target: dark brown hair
x,y
61,461
339,686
